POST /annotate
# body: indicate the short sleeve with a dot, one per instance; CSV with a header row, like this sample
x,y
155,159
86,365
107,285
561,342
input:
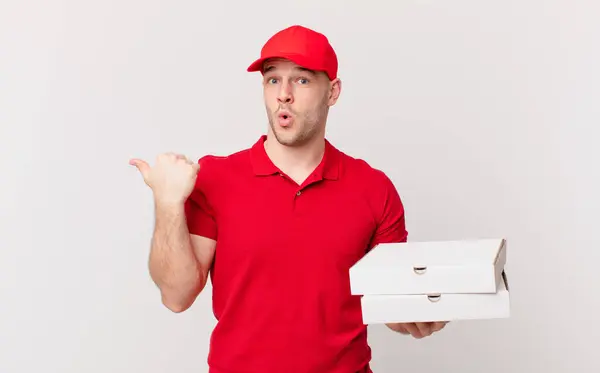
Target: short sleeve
x,y
198,211
391,224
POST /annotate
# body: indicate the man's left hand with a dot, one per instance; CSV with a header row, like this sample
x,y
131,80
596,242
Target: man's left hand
x,y
419,329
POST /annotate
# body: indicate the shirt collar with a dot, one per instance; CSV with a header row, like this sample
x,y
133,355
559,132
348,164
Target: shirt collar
x,y
262,165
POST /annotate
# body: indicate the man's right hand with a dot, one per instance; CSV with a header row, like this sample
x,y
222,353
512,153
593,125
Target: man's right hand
x,y
171,179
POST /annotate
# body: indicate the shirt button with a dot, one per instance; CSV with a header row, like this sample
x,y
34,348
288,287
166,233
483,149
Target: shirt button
x,y
298,193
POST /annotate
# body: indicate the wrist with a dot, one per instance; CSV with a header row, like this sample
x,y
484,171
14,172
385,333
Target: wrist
x,y
163,204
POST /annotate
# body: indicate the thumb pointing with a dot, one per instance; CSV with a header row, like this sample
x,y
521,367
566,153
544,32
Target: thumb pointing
x,y
141,165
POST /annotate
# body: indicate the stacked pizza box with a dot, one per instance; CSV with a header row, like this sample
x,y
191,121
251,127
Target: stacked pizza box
x,y
433,281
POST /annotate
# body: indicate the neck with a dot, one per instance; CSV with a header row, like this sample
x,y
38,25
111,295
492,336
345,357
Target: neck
x,y
297,162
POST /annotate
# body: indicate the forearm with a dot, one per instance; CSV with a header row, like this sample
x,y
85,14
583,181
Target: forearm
x,y
173,265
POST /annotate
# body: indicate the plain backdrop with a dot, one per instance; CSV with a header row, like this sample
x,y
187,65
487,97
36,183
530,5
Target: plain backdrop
x,y
485,115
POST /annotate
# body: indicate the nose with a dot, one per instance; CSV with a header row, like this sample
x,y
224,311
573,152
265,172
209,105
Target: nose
x,y
285,94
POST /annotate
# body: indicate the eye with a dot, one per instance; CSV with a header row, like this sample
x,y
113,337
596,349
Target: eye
x,y
271,81
303,81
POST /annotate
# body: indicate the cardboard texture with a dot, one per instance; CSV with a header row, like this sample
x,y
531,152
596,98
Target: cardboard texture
x,y
467,266
379,309
433,281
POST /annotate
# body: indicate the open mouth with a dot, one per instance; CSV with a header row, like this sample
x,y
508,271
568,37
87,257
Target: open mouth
x,y
285,119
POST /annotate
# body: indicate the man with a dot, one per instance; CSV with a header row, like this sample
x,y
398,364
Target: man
x,y
277,226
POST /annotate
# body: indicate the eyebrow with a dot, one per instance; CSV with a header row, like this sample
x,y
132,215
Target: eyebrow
x,y
299,68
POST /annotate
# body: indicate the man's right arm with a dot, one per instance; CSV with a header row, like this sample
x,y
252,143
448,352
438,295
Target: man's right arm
x,y
179,261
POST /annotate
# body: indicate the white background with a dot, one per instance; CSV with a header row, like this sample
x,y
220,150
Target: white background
x,y
484,113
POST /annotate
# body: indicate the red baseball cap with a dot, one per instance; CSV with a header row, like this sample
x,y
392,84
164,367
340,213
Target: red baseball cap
x,y
303,46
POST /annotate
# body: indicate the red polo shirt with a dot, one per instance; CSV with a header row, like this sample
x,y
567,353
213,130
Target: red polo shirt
x,y
281,291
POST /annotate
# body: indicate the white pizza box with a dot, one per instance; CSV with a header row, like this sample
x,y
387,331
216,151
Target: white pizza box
x,y
379,309
458,266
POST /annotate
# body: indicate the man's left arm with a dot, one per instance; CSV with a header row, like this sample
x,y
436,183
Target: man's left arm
x,y
391,228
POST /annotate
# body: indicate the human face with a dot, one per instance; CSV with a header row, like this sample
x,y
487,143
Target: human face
x,y
297,101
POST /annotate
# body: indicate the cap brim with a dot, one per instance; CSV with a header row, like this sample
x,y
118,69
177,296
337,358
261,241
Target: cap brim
x,y
296,58
256,65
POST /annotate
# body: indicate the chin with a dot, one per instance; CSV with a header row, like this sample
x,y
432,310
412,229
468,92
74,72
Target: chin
x,y
286,139
292,136
292,139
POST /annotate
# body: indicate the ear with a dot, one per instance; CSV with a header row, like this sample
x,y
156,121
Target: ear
x,y
335,89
